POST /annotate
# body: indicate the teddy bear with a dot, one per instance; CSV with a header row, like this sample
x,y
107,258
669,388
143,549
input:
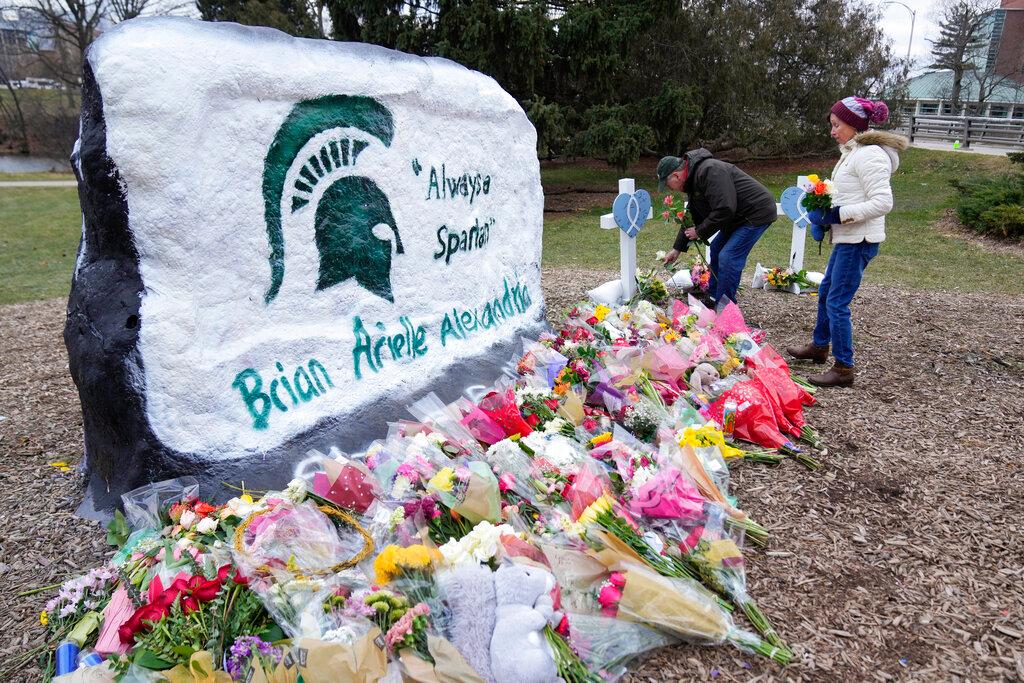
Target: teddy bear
x,y
519,651
702,377
497,619
468,590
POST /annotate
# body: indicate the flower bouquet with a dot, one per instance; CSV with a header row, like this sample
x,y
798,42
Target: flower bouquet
x,y
817,194
679,607
786,278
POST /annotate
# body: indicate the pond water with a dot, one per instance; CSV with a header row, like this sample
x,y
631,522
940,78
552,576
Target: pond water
x,y
20,163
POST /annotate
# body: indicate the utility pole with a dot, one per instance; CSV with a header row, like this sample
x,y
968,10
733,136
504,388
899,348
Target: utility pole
x,y
913,19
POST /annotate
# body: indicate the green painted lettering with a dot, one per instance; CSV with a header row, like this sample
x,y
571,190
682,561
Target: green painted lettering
x,y
308,391
315,365
275,398
251,396
362,347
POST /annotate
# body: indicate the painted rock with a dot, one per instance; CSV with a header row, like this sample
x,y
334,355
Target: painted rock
x,y
285,242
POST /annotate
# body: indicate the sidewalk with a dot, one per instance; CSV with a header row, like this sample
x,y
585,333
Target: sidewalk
x,y
975,148
38,183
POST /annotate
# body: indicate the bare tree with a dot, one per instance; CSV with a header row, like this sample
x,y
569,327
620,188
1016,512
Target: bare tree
x,y
71,26
960,41
989,80
13,118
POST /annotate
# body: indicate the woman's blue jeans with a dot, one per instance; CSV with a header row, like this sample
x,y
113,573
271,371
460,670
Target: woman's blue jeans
x,y
728,257
842,278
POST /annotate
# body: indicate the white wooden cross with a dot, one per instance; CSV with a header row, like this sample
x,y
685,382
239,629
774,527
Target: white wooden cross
x,y
623,289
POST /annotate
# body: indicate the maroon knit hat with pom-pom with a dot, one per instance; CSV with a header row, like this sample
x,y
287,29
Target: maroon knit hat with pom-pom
x,y
858,112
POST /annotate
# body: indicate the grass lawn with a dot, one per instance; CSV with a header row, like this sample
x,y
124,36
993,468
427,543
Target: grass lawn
x,y
40,229
39,232
915,255
36,176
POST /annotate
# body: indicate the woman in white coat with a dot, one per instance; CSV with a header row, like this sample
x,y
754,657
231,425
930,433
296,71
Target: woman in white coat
x,y
861,198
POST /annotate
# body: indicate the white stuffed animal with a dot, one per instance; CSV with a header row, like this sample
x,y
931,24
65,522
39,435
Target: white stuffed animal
x,y
702,377
469,591
519,651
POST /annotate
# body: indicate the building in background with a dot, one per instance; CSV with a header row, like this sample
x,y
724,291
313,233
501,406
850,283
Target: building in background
x,y
996,89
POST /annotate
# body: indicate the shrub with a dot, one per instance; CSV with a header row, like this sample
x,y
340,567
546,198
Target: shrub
x,y
1016,157
1005,220
993,206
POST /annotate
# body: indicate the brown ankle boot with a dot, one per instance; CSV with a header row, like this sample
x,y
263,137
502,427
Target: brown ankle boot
x,y
811,352
839,375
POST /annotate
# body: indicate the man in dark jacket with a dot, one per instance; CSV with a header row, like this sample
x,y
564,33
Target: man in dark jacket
x,y
721,199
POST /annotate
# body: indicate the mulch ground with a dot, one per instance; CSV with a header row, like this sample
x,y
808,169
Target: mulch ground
x,y
902,558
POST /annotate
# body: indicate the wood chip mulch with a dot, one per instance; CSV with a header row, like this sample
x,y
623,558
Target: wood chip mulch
x,y
902,558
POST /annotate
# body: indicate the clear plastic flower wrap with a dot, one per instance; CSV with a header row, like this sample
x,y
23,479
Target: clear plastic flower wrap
x,y
288,539
469,489
344,481
304,606
460,441
142,505
483,428
714,550
607,645
540,362
678,607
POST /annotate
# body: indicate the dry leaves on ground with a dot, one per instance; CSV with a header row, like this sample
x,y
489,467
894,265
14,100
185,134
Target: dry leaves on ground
x,y
901,559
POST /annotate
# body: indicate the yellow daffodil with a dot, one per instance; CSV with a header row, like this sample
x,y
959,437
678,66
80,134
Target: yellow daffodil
x,y
601,312
708,436
444,480
246,498
44,618
814,178
729,365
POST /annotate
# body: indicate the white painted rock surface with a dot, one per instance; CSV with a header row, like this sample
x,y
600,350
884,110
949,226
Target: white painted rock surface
x,y
286,241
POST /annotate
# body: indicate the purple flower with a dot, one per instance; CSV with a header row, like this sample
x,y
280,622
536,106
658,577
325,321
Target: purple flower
x,y
245,648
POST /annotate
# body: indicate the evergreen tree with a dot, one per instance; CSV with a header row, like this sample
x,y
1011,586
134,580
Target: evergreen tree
x,y
619,78
291,16
961,38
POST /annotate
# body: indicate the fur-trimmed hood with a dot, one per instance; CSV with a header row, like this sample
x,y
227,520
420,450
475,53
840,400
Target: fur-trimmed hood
x,y
882,138
891,143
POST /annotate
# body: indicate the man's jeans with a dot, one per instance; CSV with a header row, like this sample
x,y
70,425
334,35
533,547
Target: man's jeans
x,y
842,278
728,257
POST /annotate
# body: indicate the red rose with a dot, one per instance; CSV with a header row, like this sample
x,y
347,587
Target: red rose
x,y
563,627
202,509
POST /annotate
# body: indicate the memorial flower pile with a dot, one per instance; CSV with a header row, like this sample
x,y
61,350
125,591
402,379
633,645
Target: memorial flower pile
x,y
578,514
785,277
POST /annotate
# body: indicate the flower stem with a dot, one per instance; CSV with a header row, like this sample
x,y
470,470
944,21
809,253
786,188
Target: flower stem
x,y
40,590
757,534
570,667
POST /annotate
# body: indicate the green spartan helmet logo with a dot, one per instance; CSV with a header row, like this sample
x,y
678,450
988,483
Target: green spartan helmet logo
x,y
352,211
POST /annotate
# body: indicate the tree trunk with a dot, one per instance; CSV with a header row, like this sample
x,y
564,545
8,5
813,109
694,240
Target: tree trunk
x,y
21,116
958,76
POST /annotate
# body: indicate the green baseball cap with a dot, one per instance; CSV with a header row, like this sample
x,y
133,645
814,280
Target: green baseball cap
x,y
666,167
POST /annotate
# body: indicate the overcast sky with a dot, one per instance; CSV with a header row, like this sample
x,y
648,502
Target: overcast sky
x,y
896,23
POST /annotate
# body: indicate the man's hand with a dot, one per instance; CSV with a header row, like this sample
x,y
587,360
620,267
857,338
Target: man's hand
x,y
691,233
671,256
824,216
